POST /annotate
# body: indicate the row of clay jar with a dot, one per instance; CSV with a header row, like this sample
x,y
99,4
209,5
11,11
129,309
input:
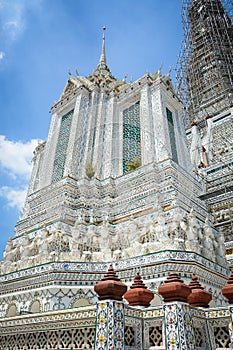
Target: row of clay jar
x,y
173,289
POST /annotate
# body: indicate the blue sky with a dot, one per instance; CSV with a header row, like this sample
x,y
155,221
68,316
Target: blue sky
x,y
39,41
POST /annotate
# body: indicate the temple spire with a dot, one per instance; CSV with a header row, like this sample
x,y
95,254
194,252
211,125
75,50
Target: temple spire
x,y
103,55
102,75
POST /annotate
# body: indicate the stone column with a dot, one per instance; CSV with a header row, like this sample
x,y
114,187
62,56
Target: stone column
x,y
195,147
227,292
147,147
109,333
160,128
179,331
231,323
46,169
99,135
71,151
107,142
110,325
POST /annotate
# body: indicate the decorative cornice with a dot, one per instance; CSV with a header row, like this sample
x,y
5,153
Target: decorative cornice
x,y
96,267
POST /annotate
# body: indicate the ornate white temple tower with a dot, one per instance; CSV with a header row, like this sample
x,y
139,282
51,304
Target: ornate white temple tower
x,y
101,128
113,182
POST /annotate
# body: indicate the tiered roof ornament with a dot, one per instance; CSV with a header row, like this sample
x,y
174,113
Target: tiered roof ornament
x,y
102,74
101,77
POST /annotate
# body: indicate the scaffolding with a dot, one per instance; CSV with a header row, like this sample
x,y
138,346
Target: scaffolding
x,y
204,72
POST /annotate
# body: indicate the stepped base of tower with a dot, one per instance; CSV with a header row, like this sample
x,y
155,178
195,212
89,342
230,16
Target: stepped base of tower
x,y
144,211
54,306
61,285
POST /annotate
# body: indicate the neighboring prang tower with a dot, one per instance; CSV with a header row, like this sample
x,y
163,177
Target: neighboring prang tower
x,y
205,75
205,85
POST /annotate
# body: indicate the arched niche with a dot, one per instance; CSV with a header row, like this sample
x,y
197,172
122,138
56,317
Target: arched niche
x,y
11,311
35,307
80,302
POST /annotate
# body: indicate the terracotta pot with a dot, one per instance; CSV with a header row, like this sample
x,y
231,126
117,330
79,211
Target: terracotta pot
x,y
110,287
174,289
227,290
198,297
138,294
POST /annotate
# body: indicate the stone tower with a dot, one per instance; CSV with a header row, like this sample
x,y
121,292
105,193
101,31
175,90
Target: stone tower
x,y
205,84
113,183
205,79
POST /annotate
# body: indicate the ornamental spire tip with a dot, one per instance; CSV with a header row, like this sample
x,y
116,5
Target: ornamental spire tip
x,y
103,55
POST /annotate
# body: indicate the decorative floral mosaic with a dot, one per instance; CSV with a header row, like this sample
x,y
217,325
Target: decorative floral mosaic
x,y
145,313
178,327
131,135
49,317
110,326
62,143
182,326
120,265
222,312
157,313
231,324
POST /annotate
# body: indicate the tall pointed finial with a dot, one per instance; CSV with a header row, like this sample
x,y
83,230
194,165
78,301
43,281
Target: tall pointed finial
x,y
103,56
170,70
102,74
125,77
160,69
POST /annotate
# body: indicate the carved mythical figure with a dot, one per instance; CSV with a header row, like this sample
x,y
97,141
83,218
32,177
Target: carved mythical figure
x,y
209,242
162,230
132,228
26,247
193,233
79,220
8,250
221,249
177,229
195,148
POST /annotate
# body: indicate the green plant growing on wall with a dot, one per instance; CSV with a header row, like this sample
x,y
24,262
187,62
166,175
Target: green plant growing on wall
x,y
134,164
90,171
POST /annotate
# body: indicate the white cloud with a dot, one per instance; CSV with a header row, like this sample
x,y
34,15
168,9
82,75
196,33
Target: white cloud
x,y
15,160
13,16
16,156
13,28
15,197
2,54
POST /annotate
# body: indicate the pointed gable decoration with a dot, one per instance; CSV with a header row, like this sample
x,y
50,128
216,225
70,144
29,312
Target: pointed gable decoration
x,y
71,85
101,77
